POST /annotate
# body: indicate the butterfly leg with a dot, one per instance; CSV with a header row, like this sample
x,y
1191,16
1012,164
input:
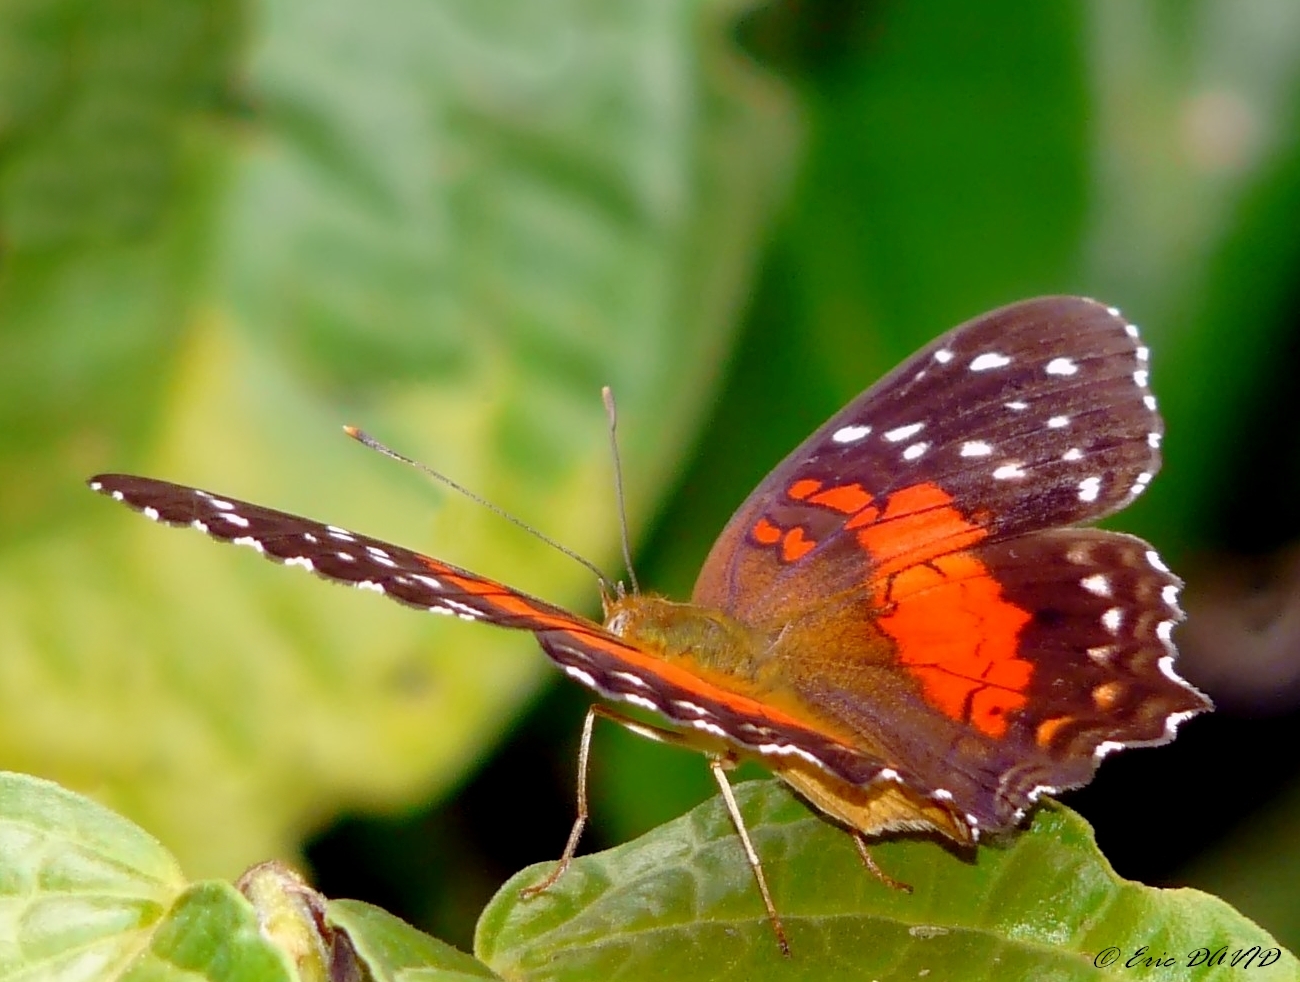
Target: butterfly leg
x,y
873,867
717,765
579,823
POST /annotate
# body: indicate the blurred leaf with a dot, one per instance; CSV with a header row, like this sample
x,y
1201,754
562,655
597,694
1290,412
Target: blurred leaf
x,y
1196,108
681,904
450,222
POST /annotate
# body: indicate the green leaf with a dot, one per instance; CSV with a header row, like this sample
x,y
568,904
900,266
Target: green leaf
x,y
81,888
85,894
393,950
223,238
211,933
680,903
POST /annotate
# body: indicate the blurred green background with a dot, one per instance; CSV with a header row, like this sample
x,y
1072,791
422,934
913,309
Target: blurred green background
x,y
226,229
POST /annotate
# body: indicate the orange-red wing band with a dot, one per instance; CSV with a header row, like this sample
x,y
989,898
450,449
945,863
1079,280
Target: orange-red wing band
x,y
954,630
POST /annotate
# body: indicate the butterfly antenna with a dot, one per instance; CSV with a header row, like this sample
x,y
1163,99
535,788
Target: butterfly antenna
x,y
611,411
365,439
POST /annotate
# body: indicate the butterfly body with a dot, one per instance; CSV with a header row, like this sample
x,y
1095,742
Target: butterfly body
x,y
904,620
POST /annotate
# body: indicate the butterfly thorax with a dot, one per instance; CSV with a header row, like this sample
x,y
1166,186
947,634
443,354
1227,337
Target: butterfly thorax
x,y
704,638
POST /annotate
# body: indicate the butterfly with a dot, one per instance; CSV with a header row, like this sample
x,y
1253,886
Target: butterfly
x,y
902,621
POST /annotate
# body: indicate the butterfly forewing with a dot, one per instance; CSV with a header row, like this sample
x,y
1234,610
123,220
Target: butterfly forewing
x,y
582,649
338,554
1031,416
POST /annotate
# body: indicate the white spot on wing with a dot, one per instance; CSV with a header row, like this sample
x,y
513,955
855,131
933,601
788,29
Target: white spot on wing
x,y
464,611
1090,488
234,519
369,585
1154,559
574,672
943,356
1010,471
1056,422
1113,619
901,433
302,561
1106,747
248,540
1143,353
690,707
1149,402
1097,584
1074,453
428,581
1061,366
1166,666
776,749
151,513
990,359
1165,631
1016,406
631,679
915,450
850,434
1169,594
1140,377
1153,441
976,448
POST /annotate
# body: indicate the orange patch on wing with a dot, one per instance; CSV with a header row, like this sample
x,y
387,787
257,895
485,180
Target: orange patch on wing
x,y
847,498
918,524
868,516
796,545
765,533
1107,695
508,600
1048,728
801,489
953,629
